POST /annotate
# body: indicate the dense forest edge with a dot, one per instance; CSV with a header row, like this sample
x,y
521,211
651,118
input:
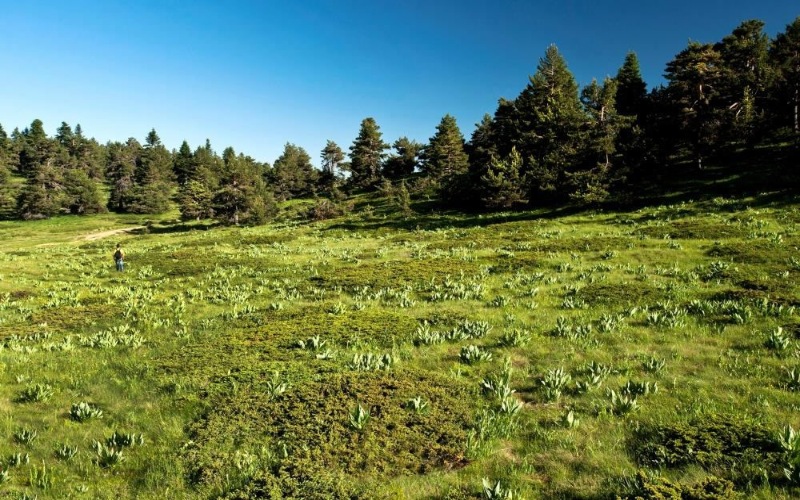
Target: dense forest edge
x,y
726,121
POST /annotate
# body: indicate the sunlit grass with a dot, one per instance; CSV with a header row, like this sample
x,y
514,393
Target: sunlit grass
x,y
516,348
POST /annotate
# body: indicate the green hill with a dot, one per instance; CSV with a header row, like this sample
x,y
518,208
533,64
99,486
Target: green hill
x,y
649,352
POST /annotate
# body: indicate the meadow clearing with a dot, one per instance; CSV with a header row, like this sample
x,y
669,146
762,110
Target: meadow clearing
x,y
539,354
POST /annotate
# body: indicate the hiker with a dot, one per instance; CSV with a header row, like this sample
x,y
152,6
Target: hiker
x,y
119,257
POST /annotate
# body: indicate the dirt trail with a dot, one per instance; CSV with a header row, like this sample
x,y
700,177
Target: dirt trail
x,y
106,234
95,236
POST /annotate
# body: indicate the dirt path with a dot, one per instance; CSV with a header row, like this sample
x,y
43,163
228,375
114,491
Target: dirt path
x,y
94,236
106,234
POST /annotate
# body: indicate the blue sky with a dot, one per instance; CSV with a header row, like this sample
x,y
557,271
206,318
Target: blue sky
x,y
255,75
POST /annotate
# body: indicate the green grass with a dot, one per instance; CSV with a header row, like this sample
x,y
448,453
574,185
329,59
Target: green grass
x,y
241,355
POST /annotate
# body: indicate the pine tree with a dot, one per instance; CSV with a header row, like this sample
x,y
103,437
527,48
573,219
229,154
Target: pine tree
x,y
44,162
196,200
82,194
785,56
503,184
6,194
404,160
549,124
7,197
631,88
88,155
35,148
120,170
505,130
183,164
632,101
695,81
590,182
43,194
208,166
196,194
332,157
242,197
482,144
444,156
292,174
366,156
65,137
744,80
481,149
151,194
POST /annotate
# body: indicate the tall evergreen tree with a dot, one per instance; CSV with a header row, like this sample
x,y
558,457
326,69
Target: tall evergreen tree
x,y
208,166
695,81
632,100
152,177
82,193
444,156
503,184
332,157
631,88
43,193
549,124
745,78
404,160
7,197
44,162
5,150
183,164
366,155
195,200
201,181
785,56
242,197
481,149
35,148
505,131
292,174
6,193
481,144
590,181
65,137
120,171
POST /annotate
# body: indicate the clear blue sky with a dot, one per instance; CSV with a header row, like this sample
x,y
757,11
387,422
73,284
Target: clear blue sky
x,y
257,74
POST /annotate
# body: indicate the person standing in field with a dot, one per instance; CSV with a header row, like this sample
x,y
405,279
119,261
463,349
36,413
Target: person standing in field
x,y
119,258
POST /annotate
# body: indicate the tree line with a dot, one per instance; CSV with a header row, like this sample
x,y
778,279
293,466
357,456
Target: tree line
x,y
555,143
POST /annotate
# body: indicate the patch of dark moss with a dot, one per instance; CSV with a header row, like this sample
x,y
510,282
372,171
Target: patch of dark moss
x,y
21,294
75,318
619,294
312,421
730,447
392,274
268,239
694,230
182,263
780,290
646,486
377,326
741,253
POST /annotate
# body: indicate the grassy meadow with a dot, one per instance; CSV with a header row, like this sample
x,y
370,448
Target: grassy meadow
x,y
650,353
